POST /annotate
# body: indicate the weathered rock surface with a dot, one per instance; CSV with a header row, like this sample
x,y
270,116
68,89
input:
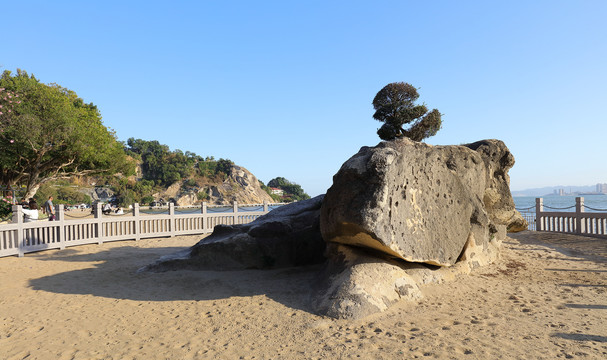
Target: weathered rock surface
x,y
497,198
418,202
287,236
354,283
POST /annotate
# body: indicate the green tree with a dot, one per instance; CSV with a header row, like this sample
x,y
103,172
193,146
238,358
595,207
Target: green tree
x,y
153,156
63,193
123,192
293,192
161,165
147,199
224,166
278,182
50,133
395,106
207,167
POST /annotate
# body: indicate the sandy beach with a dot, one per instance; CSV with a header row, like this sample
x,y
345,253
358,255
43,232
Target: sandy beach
x,y
546,298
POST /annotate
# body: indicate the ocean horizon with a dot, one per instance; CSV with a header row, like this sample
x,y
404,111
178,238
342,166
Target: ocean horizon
x,y
593,203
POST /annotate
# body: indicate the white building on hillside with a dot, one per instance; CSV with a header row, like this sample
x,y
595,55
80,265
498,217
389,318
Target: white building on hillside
x,y
277,191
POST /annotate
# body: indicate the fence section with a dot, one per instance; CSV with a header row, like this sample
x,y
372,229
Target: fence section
x,y
19,237
529,215
578,222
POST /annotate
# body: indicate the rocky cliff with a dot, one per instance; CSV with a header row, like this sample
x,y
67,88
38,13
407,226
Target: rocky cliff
x,y
240,186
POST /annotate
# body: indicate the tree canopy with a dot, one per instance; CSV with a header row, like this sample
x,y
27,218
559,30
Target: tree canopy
x,y
159,164
164,167
395,106
47,132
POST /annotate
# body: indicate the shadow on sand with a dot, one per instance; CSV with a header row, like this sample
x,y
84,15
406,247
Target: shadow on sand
x,y
585,248
581,337
115,276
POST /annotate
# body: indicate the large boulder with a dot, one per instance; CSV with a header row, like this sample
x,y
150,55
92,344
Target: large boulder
x,y
398,216
287,236
418,202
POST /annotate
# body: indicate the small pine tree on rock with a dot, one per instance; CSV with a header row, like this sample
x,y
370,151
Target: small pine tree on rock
x,y
395,106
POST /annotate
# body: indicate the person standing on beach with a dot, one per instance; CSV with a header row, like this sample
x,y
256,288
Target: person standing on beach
x,y
49,208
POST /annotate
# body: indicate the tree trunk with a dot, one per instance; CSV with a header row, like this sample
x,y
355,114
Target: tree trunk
x,y
32,185
31,191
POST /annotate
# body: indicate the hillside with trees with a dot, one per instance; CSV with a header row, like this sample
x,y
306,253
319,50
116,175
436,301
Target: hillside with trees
x,y
290,191
53,143
203,178
184,178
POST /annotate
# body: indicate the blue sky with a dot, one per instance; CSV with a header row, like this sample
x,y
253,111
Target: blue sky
x,y
285,88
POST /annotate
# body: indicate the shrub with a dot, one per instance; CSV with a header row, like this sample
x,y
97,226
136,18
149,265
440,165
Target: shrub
x,y
190,183
147,199
6,208
202,195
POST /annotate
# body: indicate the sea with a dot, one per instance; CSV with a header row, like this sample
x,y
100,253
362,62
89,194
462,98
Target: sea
x,y
592,203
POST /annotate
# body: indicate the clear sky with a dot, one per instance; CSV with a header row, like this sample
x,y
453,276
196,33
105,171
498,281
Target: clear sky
x,y
284,88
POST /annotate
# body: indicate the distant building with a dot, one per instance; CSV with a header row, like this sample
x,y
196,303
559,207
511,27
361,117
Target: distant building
x,y
601,188
559,192
277,191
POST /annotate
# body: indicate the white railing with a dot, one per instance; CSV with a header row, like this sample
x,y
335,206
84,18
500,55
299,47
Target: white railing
x,y
578,222
19,237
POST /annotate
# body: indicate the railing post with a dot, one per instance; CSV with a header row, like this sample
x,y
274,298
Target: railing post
x,y
235,212
60,217
17,214
204,216
539,208
99,221
172,218
136,221
579,209
265,206
18,219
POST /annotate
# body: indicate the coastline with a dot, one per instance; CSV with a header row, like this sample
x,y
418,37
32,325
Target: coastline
x,y
544,298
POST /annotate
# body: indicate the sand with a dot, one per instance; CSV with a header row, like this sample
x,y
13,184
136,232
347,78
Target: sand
x,y
546,298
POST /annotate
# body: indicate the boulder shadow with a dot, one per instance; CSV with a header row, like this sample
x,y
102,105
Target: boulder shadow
x,y
115,276
581,337
587,306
